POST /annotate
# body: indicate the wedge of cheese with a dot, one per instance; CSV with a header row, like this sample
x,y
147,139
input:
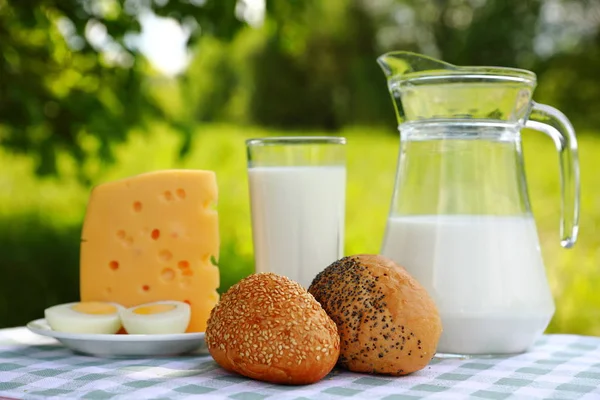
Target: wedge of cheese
x,y
153,237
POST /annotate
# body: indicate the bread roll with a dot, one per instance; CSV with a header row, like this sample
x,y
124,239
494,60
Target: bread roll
x,y
268,327
386,320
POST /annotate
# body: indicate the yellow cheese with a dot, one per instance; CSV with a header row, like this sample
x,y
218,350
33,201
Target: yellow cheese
x,y
151,237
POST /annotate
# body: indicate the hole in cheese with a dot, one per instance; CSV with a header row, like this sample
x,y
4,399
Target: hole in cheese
x,y
154,309
187,272
121,234
155,234
145,288
165,255
114,265
181,193
167,274
129,241
183,264
168,195
177,231
137,206
94,307
185,282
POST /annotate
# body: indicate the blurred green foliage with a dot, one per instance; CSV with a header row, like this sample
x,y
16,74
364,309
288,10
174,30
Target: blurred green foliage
x,y
76,111
70,78
62,89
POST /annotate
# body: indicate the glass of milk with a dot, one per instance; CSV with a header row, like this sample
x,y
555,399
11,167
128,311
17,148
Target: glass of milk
x,y
297,198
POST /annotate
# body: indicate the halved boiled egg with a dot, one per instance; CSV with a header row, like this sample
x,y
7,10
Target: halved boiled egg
x,y
160,317
84,317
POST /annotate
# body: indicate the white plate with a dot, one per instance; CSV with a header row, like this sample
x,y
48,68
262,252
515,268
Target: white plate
x,y
124,345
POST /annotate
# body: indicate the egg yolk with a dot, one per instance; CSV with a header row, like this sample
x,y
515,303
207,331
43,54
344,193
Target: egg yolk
x,y
154,309
94,307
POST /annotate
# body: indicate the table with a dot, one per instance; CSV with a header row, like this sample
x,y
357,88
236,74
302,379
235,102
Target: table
x,y
36,367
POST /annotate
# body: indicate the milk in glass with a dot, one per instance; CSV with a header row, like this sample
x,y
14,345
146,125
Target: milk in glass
x,y
297,219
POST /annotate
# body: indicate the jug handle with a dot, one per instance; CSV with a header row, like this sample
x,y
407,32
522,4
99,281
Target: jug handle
x,y
555,124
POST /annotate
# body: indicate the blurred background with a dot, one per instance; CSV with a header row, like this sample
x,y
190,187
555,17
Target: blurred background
x,y
96,90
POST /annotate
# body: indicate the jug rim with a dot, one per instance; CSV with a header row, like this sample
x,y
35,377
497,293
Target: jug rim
x,y
450,71
502,74
295,140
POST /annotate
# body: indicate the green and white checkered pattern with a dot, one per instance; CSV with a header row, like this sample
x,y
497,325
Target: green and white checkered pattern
x,y
34,367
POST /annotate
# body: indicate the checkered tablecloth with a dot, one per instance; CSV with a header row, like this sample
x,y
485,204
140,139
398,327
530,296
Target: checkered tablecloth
x,y
34,367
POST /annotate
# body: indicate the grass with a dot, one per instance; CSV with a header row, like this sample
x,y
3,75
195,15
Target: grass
x,y
40,219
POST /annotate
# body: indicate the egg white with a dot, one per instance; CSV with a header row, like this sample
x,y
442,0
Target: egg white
x,y
63,318
167,322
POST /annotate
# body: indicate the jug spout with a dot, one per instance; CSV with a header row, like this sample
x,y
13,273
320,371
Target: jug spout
x,y
398,63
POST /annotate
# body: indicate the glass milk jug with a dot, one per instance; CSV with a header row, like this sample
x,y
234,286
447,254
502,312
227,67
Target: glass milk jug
x,y
460,220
